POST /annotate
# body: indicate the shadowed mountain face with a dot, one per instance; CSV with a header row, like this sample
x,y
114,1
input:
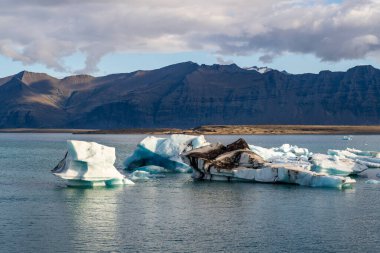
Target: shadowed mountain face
x,y
188,95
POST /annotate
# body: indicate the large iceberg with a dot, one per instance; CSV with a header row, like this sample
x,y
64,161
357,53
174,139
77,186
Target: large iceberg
x,y
89,164
237,161
164,152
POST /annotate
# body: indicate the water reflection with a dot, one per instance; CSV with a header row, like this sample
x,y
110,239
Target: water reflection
x,y
94,217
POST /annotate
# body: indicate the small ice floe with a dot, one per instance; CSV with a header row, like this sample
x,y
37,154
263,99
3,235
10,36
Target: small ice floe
x,y
149,172
89,164
140,175
237,162
372,181
164,152
347,138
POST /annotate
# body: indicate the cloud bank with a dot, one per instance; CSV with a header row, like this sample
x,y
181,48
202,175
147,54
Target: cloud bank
x,y
45,31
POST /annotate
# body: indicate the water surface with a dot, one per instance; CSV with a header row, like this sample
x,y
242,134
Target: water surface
x,y
38,213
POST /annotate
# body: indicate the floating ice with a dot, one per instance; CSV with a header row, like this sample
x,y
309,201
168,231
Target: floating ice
x,y
336,165
364,153
372,181
139,175
164,152
89,164
370,159
160,155
238,162
347,138
153,170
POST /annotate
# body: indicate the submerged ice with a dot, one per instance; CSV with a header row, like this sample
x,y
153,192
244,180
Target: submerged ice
x,y
89,164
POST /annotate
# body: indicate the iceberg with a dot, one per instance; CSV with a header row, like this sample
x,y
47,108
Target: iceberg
x,y
164,152
336,165
237,162
89,164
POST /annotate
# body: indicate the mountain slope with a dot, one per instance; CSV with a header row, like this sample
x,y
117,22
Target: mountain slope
x,y
188,95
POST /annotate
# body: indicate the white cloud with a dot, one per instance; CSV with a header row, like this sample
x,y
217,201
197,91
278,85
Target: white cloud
x,y
44,31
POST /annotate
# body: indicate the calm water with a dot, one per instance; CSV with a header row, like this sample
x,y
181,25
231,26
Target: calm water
x,y
174,214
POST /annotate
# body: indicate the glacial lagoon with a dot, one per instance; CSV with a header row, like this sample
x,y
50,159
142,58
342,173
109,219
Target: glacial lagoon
x,y
39,213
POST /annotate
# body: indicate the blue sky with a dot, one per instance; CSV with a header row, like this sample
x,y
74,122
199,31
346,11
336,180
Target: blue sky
x,y
123,36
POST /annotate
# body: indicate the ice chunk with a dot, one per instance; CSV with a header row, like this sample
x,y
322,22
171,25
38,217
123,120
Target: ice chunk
x,y
341,153
335,165
153,170
139,175
347,138
164,152
364,153
372,181
370,159
267,154
284,154
89,164
217,162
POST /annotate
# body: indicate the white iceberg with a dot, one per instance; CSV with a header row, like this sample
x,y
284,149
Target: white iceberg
x,y
164,152
336,165
238,162
89,164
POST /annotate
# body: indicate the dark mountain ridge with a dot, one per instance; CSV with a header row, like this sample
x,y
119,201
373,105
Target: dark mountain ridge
x,y
188,95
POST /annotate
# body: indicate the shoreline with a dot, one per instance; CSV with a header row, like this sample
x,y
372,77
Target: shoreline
x,y
221,130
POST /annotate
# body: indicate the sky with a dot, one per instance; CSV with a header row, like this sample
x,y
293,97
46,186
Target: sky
x,y
100,37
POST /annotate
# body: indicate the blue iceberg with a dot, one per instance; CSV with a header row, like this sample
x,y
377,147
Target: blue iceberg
x,y
164,152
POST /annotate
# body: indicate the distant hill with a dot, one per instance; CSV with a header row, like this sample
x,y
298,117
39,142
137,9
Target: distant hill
x,y
188,95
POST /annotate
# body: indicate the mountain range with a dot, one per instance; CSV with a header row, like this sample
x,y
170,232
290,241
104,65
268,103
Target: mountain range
x,y
188,95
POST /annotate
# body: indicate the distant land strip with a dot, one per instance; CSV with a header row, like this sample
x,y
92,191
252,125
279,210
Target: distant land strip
x,y
218,130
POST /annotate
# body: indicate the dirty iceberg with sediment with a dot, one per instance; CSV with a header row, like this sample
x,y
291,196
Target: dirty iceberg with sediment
x,y
88,164
161,155
237,162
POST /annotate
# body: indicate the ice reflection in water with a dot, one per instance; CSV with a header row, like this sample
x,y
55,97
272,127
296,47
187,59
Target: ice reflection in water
x,y
93,216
